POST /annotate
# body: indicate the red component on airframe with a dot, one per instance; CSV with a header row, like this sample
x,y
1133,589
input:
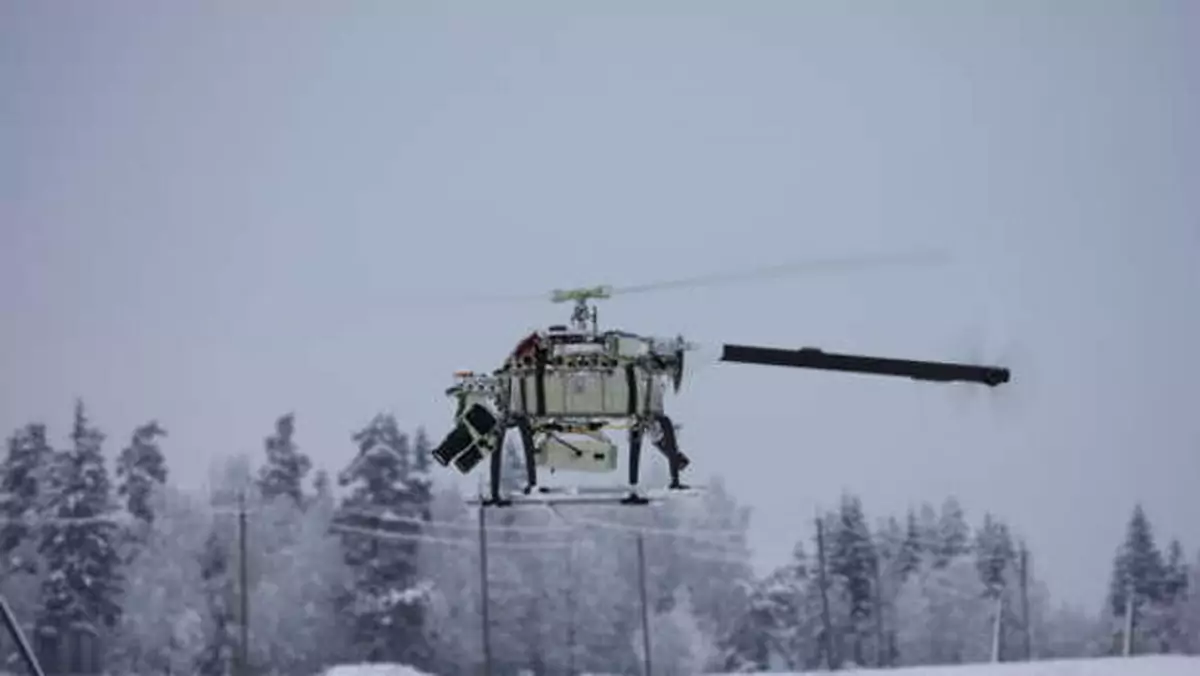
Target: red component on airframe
x,y
527,347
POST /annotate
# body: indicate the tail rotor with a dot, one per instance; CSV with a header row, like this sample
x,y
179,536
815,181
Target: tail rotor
x,y
990,343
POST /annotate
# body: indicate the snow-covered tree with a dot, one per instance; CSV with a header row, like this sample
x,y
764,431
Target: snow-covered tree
x,y
286,467
388,598
420,480
230,484
529,574
755,644
898,557
23,489
141,469
602,607
450,562
1189,619
781,628
716,569
953,532
297,573
928,530
1163,629
851,561
79,544
1137,579
909,557
995,555
942,615
1070,632
322,486
163,621
679,646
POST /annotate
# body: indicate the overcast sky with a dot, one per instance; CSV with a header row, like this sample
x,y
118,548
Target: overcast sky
x,y
214,213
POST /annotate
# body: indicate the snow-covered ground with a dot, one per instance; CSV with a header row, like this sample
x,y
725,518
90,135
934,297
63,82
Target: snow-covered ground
x,y
1150,665
372,670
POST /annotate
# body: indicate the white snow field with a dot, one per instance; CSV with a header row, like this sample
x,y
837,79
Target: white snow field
x,y
372,670
1149,665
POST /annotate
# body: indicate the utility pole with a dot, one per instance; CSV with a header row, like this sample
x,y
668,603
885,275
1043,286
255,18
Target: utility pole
x,y
571,586
826,620
641,556
881,653
1026,630
1127,649
997,625
486,629
244,589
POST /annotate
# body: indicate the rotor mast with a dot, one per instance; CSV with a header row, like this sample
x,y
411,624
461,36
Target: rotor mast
x,y
584,316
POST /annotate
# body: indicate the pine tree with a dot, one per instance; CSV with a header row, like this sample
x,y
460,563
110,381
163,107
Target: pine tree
x,y
942,615
81,547
1165,620
23,484
141,469
286,466
528,588
953,534
322,488
680,646
909,558
231,481
1189,620
782,627
852,559
995,554
1137,568
297,574
1175,579
217,656
388,599
163,608
896,561
420,480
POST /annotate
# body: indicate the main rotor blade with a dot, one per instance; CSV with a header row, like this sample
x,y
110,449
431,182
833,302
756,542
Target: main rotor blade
x,y
795,268
791,269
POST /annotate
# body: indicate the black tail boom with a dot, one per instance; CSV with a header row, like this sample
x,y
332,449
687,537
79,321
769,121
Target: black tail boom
x,y
813,358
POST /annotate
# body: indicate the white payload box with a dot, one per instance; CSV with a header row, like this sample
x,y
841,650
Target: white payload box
x,y
577,453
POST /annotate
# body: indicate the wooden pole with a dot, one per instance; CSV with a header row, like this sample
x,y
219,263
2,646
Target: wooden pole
x,y
641,556
882,655
486,627
1127,648
1026,630
997,626
571,586
244,589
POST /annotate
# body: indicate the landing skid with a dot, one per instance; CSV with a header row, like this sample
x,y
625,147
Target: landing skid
x,y
587,495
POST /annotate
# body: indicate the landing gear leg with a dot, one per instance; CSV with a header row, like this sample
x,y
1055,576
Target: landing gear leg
x,y
668,445
635,464
526,431
497,463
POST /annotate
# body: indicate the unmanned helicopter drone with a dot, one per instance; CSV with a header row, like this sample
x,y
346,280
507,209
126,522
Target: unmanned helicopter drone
x,y
564,387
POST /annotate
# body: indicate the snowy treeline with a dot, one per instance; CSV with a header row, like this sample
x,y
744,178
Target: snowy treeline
x,y
929,589
377,563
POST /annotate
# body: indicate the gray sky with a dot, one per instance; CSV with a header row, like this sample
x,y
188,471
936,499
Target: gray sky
x,y
213,212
